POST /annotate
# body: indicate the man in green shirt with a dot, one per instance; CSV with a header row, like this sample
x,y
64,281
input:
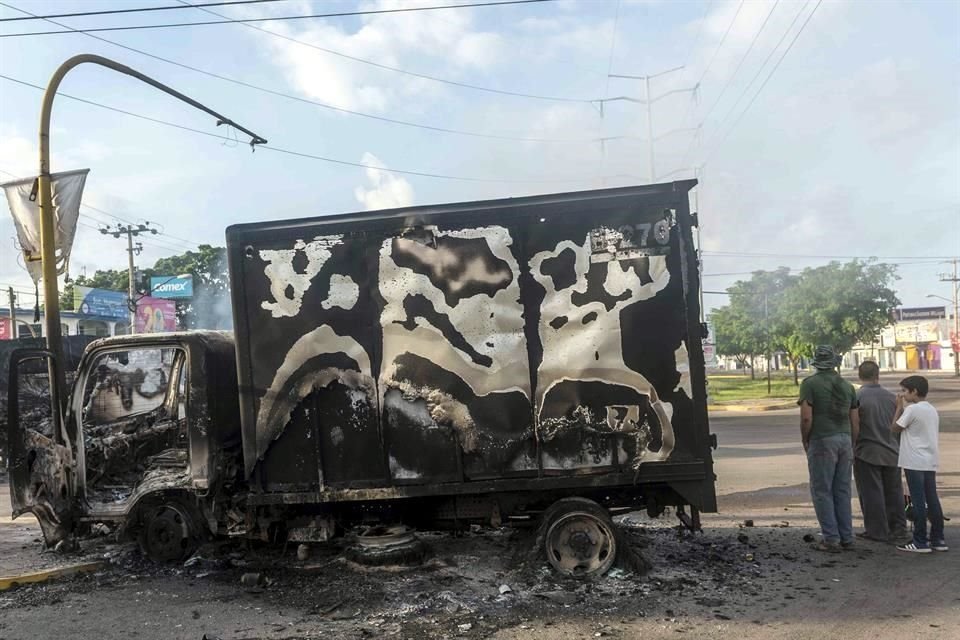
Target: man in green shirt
x,y
829,425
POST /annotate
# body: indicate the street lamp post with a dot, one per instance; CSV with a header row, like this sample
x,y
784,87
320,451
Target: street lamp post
x,y
47,222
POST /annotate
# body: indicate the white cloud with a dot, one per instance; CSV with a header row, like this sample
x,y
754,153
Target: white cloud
x,y
386,190
441,42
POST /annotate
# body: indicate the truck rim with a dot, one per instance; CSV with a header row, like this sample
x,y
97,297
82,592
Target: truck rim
x,y
580,544
168,534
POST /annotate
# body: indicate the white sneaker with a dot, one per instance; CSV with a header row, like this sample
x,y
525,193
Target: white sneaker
x,y
911,547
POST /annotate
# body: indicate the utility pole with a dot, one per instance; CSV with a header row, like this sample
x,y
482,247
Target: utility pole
x,y
130,231
766,337
648,101
955,338
13,313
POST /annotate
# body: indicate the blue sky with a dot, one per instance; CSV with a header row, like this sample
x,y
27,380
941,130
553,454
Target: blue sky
x,y
851,148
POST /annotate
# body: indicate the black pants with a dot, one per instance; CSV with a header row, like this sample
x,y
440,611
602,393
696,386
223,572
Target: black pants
x,y
880,490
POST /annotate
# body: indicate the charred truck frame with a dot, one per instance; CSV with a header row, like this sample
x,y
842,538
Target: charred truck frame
x,y
512,359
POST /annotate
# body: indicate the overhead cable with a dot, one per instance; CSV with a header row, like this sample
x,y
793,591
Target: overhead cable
x,y
105,12
386,67
312,16
336,53
301,154
766,80
184,241
733,75
706,69
323,105
686,155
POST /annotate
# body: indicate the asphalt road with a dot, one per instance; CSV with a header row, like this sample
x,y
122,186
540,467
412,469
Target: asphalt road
x,y
790,591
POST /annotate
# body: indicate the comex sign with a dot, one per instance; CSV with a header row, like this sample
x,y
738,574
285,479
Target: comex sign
x,y
171,287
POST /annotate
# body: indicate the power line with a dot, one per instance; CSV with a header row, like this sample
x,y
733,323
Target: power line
x,y
693,140
186,242
733,75
722,40
746,89
613,46
304,154
386,67
696,38
738,254
138,10
303,100
766,80
340,14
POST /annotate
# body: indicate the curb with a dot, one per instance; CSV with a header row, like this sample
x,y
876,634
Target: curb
x,y
752,407
7,582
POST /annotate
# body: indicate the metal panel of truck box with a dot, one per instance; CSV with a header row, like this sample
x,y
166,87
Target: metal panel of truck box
x,y
448,349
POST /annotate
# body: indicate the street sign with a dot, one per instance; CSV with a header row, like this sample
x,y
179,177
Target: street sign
x,y
171,287
920,313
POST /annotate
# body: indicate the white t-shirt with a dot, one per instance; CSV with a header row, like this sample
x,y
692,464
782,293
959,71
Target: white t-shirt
x,y
919,450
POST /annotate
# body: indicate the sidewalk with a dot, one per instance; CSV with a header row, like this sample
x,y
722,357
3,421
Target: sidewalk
x,y
22,556
767,404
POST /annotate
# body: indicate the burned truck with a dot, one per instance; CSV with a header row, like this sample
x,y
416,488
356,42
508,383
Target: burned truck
x,y
531,360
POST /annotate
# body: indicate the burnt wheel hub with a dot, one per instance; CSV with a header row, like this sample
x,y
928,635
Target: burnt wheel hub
x,y
168,534
581,544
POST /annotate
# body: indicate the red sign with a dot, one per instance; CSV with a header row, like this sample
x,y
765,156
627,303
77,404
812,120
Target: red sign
x,y
156,315
955,341
6,329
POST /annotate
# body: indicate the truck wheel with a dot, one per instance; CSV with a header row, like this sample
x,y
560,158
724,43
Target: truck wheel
x,y
383,546
580,540
169,532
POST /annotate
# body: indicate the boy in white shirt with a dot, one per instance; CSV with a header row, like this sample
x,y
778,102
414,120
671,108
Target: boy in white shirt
x,y
918,424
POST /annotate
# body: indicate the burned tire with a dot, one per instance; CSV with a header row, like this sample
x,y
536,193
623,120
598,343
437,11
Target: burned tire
x,y
387,546
170,532
579,538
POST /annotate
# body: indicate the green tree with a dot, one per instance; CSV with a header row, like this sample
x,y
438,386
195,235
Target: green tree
x,y
749,325
795,346
210,306
732,335
112,279
841,304
208,309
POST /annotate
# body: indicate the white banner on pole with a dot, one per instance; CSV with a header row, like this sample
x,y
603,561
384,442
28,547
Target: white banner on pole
x,y
24,202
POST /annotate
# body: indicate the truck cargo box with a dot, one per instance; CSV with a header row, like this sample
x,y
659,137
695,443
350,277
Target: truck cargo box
x,y
523,344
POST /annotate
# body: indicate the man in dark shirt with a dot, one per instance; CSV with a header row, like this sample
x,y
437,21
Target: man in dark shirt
x,y
828,427
879,483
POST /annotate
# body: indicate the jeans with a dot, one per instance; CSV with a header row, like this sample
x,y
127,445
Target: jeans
x,y
830,462
923,495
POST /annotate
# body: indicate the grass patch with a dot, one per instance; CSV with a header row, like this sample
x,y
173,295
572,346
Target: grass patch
x,y
730,388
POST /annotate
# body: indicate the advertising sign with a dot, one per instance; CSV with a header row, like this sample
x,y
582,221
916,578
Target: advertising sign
x,y
6,329
101,302
171,287
918,332
156,315
921,313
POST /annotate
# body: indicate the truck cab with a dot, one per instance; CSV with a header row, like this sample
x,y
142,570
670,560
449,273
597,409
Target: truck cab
x,y
149,430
